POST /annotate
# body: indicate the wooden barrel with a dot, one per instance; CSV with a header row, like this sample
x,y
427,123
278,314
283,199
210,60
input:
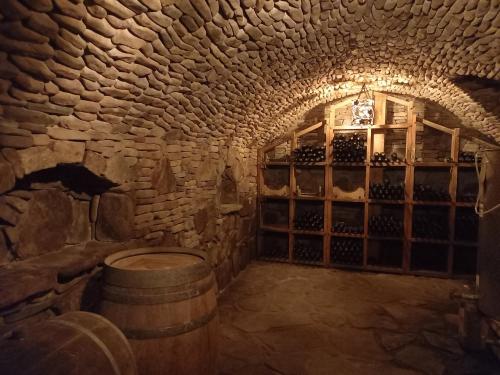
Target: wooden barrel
x,y
75,343
164,301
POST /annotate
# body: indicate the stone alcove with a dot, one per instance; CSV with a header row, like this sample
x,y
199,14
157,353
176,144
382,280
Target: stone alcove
x,y
228,187
67,204
230,181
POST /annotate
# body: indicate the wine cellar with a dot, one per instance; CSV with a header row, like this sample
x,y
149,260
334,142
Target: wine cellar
x,y
376,197
224,187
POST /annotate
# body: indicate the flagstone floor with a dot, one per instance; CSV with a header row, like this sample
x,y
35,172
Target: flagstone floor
x,y
279,319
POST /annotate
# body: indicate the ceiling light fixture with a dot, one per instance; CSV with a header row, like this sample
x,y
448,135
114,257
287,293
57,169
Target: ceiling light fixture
x,y
363,108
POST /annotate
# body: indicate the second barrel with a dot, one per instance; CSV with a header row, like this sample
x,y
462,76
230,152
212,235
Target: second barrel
x,y
164,301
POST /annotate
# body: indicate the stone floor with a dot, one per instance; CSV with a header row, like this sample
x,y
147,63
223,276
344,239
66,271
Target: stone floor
x,y
283,319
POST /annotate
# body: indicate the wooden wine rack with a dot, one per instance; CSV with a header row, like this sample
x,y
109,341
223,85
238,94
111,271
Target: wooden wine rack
x,y
375,134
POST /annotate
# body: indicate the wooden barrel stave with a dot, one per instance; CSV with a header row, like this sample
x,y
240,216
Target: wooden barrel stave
x,y
193,353
73,344
137,316
110,336
171,322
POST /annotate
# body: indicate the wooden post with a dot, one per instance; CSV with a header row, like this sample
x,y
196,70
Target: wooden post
x,y
411,136
366,205
329,120
259,202
291,207
378,139
455,149
380,108
328,193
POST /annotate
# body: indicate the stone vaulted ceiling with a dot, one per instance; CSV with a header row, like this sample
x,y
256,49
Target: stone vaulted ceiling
x,y
248,68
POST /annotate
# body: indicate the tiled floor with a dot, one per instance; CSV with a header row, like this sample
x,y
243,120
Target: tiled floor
x,y
284,319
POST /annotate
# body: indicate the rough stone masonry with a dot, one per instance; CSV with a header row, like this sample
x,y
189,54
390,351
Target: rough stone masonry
x,y
166,101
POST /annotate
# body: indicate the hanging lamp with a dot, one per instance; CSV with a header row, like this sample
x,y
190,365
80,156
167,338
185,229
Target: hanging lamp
x,y
363,108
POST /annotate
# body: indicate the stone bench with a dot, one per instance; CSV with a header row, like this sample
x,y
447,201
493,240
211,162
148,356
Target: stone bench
x,y
59,281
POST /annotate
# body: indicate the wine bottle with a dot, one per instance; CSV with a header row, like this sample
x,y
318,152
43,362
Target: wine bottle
x,y
349,149
385,225
427,193
346,251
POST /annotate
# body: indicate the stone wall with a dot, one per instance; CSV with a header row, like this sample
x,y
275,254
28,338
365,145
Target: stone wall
x,y
109,93
165,102
219,67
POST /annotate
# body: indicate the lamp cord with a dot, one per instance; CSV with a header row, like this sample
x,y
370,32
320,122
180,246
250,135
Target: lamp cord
x,y
481,211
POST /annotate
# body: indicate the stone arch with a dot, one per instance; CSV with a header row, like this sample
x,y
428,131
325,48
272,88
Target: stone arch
x,y
35,161
220,69
473,112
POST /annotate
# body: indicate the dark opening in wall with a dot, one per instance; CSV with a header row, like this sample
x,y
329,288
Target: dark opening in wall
x,y
59,206
228,188
72,177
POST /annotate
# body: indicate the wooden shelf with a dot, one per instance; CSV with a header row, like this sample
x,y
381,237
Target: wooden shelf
x,y
465,204
348,235
468,165
388,165
406,139
269,259
308,232
307,263
386,269
347,266
352,128
349,164
366,127
432,164
435,241
271,197
386,201
270,228
308,198
465,243
385,238
276,164
431,203
309,165
341,200
390,126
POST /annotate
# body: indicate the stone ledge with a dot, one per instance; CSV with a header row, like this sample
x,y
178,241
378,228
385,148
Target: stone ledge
x,y
226,209
22,280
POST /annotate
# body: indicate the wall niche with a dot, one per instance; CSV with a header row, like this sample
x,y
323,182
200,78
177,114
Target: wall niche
x,y
64,205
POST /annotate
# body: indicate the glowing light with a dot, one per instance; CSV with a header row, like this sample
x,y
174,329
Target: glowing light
x,y
363,108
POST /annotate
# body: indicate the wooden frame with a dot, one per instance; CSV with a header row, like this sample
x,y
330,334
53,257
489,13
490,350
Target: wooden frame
x,y
409,178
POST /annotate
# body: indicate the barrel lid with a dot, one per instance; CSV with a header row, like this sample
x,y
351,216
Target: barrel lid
x,y
151,267
156,261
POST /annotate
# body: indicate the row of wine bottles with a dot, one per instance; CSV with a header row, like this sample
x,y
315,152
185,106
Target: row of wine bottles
x,y
347,251
430,226
423,226
309,154
423,192
468,157
380,158
309,220
466,197
385,225
349,148
342,227
307,253
466,226
388,191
